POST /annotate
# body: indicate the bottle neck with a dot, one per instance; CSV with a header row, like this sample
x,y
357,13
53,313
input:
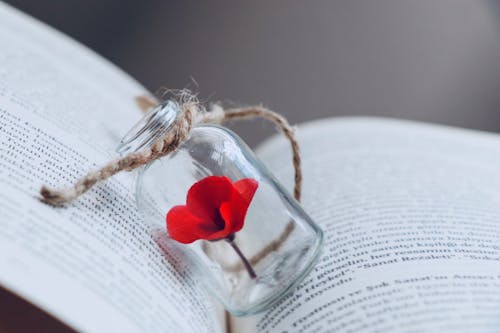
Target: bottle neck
x,y
153,125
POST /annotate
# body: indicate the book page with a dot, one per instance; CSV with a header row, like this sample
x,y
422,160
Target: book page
x,y
92,264
411,215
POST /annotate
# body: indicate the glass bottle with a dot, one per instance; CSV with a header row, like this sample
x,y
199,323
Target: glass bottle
x,y
248,270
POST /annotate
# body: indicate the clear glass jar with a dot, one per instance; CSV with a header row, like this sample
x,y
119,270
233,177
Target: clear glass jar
x,y
248,270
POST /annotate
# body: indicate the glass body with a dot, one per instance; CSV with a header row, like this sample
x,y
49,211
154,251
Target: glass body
x,y
278,240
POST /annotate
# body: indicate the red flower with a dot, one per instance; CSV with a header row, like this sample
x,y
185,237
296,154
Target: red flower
x,y
215,208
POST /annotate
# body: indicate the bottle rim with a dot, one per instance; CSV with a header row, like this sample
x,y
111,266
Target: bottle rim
x,y
154,124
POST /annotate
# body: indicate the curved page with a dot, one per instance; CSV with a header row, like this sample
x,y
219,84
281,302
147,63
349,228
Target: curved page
x,y
92,264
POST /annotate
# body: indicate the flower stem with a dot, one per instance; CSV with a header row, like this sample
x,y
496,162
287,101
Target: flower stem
x,y
251,272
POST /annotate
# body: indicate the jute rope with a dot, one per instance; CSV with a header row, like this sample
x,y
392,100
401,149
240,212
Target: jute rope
x,y
191,114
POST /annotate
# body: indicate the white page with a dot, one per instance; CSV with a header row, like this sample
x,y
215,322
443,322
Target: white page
x,y
92,264
411,215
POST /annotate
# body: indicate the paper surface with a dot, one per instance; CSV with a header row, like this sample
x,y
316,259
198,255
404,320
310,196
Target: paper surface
x,y
411,215
92,264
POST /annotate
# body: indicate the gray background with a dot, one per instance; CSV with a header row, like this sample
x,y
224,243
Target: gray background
x,y
429,60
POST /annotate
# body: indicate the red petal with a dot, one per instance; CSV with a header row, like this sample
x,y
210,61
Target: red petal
x,y
215,209
185,227
240,200
227,213
246,187
205,196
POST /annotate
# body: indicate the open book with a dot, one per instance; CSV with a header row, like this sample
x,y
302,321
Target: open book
x,y
411,212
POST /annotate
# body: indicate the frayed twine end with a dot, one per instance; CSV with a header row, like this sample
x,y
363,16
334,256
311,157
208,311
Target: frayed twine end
x,y
52,197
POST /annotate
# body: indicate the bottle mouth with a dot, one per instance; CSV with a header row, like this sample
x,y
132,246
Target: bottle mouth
x,y
153,125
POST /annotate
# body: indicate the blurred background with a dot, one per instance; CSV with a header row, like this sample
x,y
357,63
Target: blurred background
x,y
428,60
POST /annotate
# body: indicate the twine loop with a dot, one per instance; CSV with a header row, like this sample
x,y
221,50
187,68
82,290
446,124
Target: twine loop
x,y
191,113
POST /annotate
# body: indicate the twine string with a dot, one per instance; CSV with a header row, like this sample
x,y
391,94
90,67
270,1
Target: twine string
x,y
190,115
